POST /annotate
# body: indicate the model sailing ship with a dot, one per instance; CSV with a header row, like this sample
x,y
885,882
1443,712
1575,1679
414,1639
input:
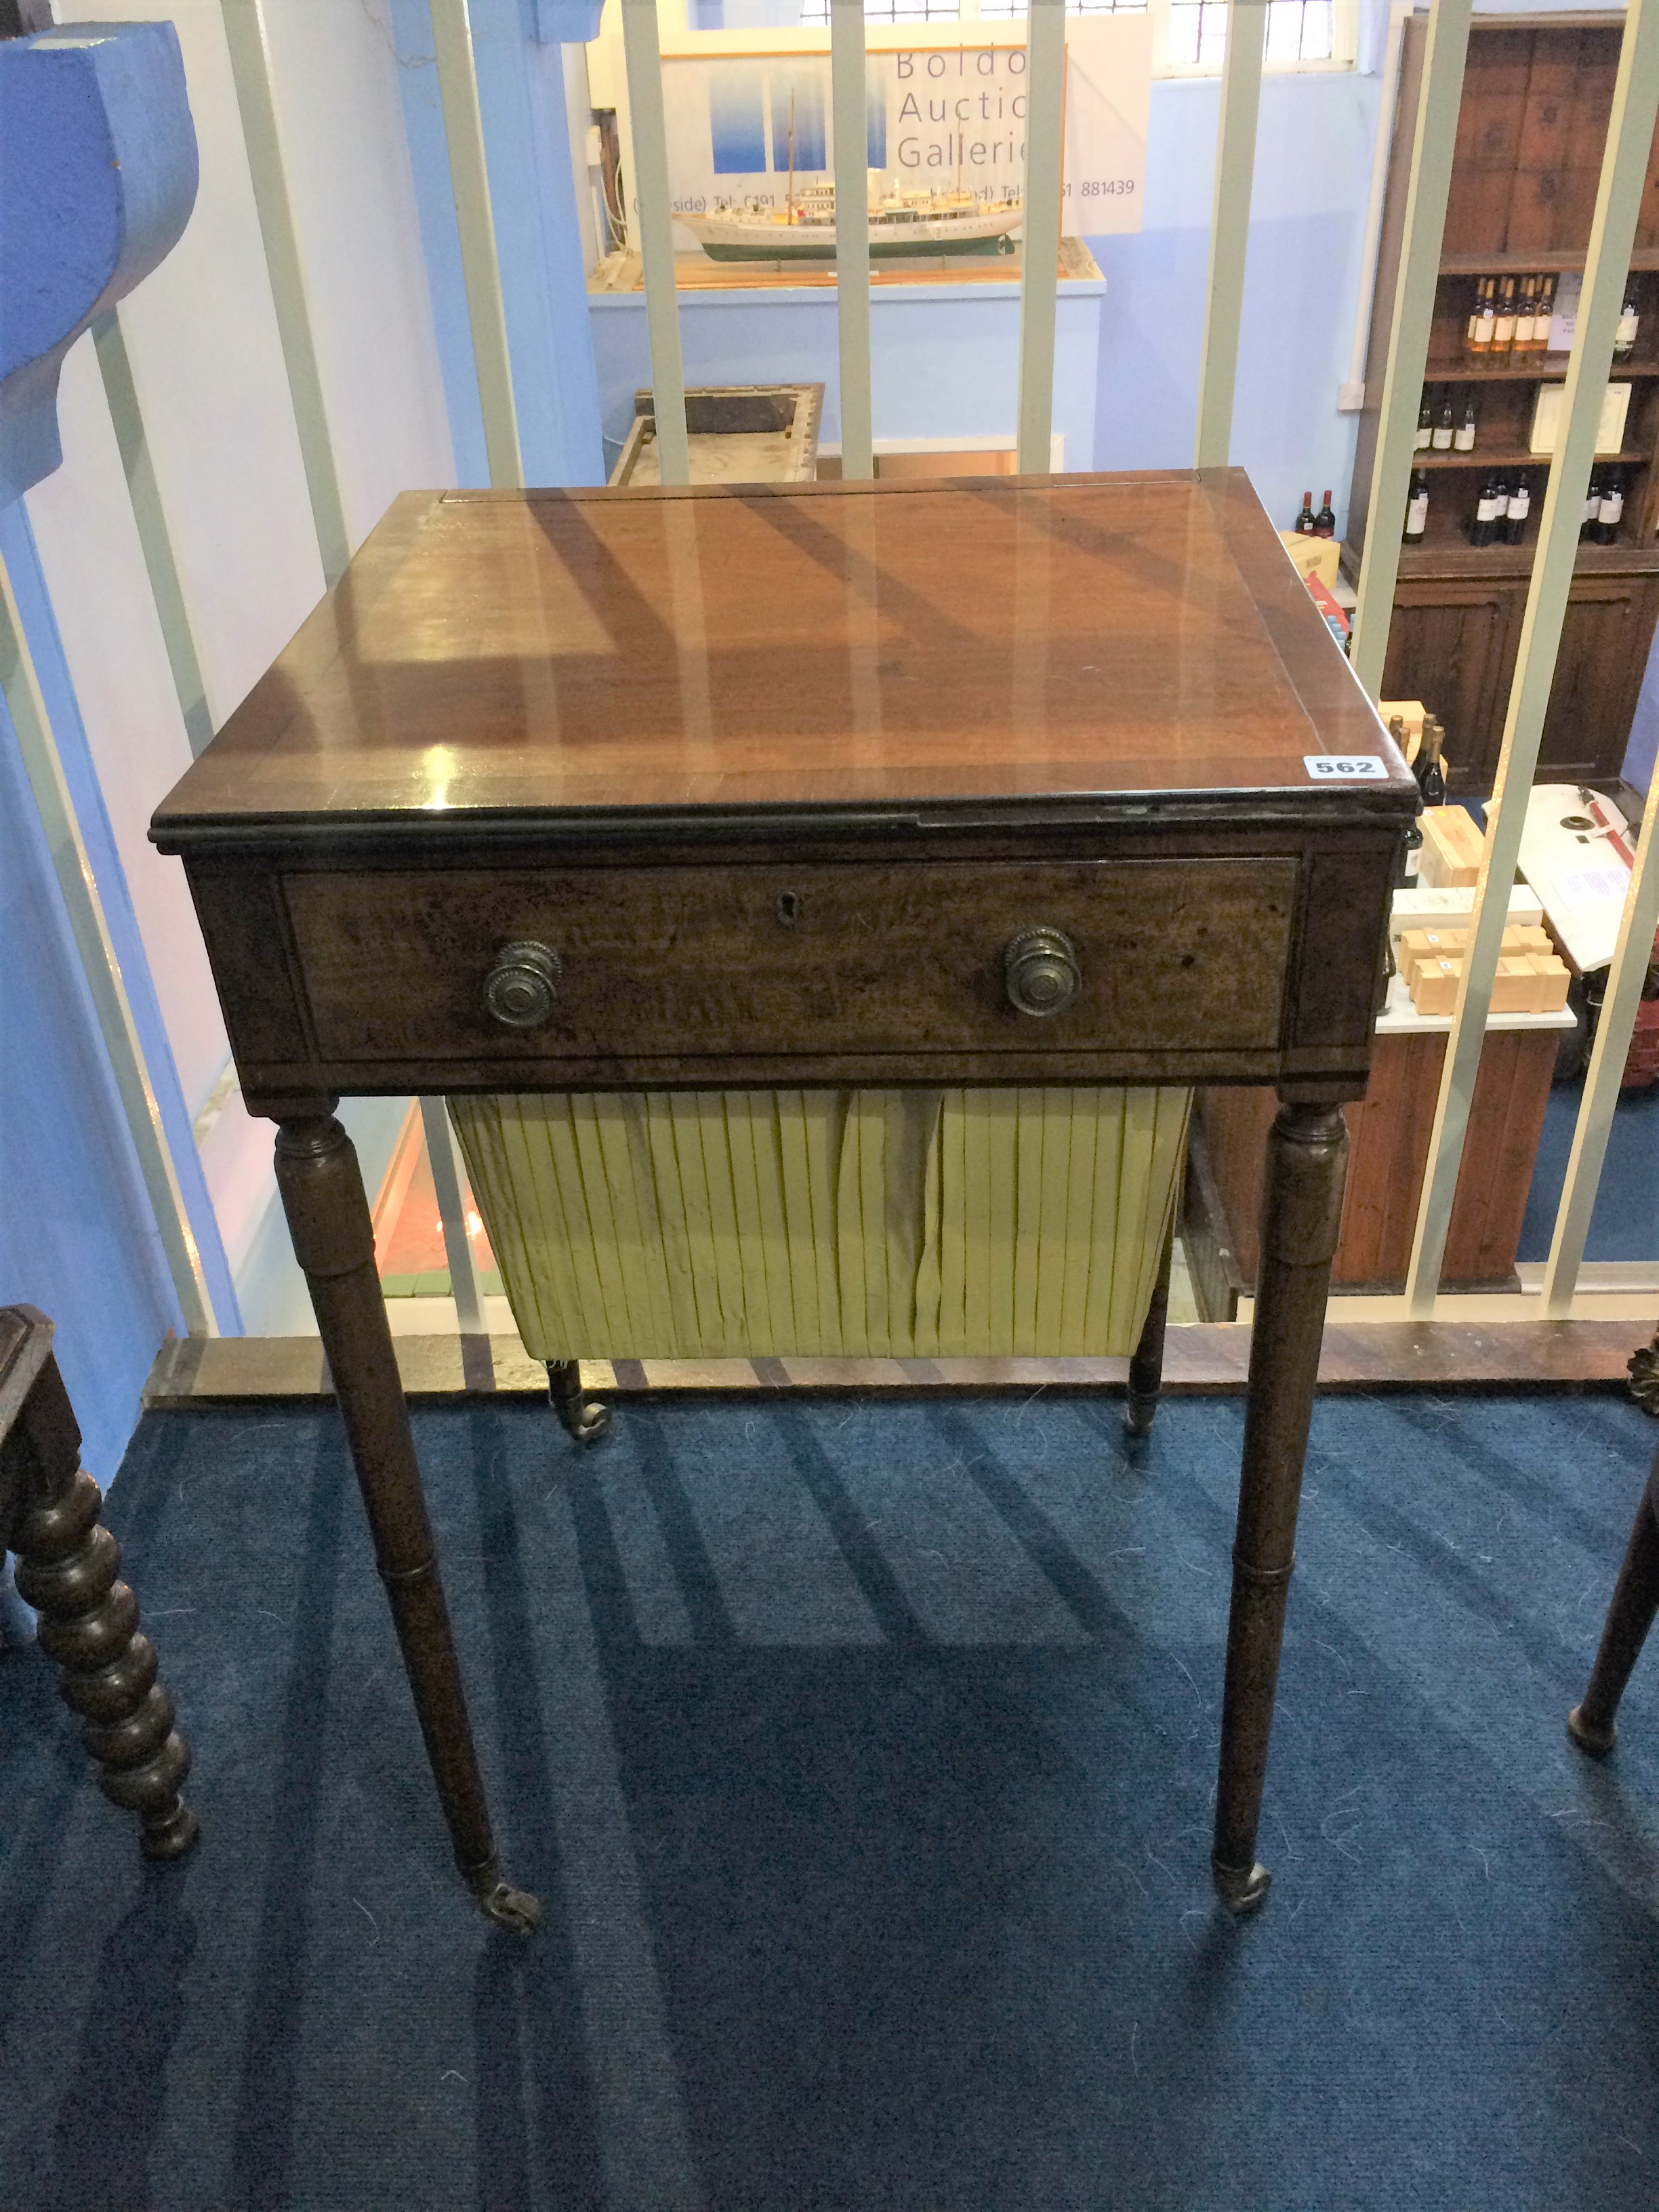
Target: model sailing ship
x,y
901,223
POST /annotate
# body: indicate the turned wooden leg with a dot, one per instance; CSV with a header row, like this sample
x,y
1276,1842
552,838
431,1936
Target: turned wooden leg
x,y
1146,1367
1635,1601
587,1418
67,1566
1300,1215
333,1237
1643,1367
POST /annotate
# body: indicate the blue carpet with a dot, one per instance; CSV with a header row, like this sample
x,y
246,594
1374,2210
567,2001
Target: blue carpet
x,y
862,1755
1624,1224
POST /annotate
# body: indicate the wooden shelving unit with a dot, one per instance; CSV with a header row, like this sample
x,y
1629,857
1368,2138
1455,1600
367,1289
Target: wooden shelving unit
x,y
1537,94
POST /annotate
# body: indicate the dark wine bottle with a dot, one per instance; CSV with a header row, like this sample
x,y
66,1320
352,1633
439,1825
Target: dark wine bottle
x,y
1430,768
1514,525
1325,520
1592,507
1417,508
1425,424
1610,509
1304,521
1485,511
1445,428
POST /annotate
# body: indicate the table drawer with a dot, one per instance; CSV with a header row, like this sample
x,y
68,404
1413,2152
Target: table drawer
x,y
780,960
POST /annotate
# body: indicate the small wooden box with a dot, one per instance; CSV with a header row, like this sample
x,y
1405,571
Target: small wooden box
x,y
1451,848
1436,988
1553,980
1516,985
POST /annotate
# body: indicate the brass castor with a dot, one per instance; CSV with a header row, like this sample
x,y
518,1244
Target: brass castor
x,y
584,1418
1241,1889
1597,1738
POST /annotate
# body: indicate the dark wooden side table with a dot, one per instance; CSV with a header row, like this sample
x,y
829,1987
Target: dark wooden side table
x,y
67,1565
1045,780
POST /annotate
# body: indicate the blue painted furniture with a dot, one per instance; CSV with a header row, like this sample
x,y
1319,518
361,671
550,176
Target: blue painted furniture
x,y
97,177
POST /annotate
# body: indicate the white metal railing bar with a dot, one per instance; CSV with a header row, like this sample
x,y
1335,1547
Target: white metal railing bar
x,y
1039,285
1230,231
1618,201
249,65
452,1213
642,57
154,539
1354,392
21,688
475,225
850,153
1628,972
1439,97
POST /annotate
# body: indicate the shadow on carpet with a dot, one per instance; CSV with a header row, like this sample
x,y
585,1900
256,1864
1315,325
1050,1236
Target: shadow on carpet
x,y
862,1755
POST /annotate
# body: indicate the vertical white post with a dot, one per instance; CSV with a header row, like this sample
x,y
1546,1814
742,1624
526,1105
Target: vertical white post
x,y
1438,100
1630,959
1230,231
154,539
1618,201
849,100
655,227
1039,288
250,64
452,1213
21,688
475,222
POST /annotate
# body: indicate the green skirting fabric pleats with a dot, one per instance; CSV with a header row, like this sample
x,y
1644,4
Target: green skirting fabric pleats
x,y
889,1223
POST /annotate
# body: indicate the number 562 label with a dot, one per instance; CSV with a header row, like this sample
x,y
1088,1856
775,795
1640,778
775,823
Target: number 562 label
x,y
1346,767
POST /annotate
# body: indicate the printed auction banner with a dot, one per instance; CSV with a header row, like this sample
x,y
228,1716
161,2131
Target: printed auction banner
x,y
941,118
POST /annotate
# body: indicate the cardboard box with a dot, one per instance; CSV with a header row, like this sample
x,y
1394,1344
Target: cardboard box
x,y
1546,418
1451,848
1314,557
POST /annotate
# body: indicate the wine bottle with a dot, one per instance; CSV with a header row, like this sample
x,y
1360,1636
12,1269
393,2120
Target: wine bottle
x,y
1411,853
1592,507
1610,509
1623,341
1445,428
1304,521
1464,440
1431,769
1485,511
1425,423
1503,330
1417,508
1486,320
1474,339
1325,520
1540,321
1522,342
1515,523
1500,511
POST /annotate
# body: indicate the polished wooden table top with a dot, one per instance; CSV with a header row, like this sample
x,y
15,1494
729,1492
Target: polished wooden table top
x,y
842,646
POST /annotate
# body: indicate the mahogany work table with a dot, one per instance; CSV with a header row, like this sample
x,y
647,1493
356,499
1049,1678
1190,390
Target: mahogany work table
x,y
658,789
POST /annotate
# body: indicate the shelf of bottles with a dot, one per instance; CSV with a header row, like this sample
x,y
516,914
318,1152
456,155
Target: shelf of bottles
x,y
1500,341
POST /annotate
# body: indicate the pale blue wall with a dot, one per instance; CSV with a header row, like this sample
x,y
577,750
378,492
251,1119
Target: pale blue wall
x,y
77,1238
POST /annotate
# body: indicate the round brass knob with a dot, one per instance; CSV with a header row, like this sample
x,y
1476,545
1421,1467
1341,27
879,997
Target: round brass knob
x,y
1042,971
521,989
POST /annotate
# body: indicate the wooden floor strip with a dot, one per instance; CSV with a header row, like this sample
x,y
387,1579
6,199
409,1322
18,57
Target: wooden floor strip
x,y
1200,1358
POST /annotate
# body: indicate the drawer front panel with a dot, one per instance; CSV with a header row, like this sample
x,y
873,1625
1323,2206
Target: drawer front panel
x,y
877,959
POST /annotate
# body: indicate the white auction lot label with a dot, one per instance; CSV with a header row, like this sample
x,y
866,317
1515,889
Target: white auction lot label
x,y
1346,767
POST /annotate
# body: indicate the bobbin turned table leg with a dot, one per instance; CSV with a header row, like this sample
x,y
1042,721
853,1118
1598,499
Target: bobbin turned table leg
x,y
67,1568
1635,1601
1301,1217
328,1218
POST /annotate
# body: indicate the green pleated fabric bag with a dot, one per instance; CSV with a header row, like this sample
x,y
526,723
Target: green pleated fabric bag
x,y
892,1224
